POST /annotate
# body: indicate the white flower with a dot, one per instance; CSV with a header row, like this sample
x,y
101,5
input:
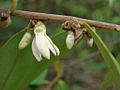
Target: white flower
x,y
70,39
42,44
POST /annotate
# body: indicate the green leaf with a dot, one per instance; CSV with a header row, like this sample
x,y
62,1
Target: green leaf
x,y
63,85
40,79
108,78
19,68
111,62
118,58
106,82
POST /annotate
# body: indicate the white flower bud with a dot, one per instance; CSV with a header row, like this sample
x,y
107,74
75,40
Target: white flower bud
x,y
70,39
25,41
90,41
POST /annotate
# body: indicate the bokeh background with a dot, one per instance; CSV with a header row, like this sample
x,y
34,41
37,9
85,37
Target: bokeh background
x,y
84,68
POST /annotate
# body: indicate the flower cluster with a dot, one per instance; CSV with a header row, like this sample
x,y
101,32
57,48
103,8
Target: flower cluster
x,y
75,32
42,44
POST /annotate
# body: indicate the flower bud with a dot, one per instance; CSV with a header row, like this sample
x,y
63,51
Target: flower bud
x,y
70,39
26,39
90,41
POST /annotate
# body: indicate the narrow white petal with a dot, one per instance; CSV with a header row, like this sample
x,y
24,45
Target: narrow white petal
x,y
56,49
46,54
35,51
42,46
54,46
51,48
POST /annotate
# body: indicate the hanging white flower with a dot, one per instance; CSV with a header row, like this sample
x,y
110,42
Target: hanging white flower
x,y
42,44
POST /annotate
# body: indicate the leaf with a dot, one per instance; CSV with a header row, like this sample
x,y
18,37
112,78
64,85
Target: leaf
x,y
118,58
108,78
19,68
63,85
106,82
40,79
111,62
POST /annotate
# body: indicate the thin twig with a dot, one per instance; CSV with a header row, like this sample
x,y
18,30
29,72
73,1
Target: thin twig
x,y
44,16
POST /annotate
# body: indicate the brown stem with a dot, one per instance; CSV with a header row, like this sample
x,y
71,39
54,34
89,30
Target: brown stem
x,y
44,16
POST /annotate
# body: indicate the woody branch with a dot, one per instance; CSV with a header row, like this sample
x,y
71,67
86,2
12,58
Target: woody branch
x,y
46,17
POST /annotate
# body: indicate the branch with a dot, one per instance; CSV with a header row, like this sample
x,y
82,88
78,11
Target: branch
x,y
44,16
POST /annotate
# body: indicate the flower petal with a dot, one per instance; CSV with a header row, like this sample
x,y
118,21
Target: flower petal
x,y
35,51
54,46
56,49
50,46
42,46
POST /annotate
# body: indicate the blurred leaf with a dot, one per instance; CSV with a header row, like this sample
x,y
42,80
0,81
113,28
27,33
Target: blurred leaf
x,y
108,78
103,14
111,62
118,57
63,85
106,82
19,68
96,67
40,79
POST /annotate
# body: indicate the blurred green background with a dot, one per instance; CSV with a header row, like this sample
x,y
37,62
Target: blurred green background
x,y
83,66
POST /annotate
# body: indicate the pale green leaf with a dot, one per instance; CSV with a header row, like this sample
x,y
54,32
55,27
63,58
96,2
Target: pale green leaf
x,y
40,79
106,82
63,85
108,78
